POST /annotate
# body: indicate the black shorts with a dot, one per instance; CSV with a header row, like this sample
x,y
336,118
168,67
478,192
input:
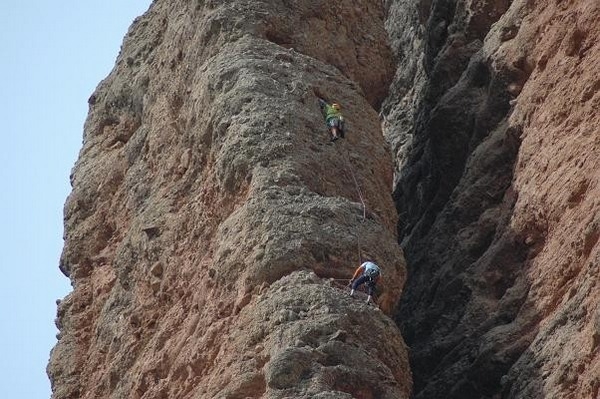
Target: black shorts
x,y
334,122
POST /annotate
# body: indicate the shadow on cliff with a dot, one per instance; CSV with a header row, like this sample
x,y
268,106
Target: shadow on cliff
x,y
462,312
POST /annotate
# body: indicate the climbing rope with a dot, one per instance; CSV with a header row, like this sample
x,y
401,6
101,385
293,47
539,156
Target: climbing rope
x,y
346,155
356,185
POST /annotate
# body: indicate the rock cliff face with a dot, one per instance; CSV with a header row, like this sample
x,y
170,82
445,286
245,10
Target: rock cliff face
x,y
210,216
211,223
497,140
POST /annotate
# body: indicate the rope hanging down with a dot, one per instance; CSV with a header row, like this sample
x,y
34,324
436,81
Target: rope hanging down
x,y
346,155
358,190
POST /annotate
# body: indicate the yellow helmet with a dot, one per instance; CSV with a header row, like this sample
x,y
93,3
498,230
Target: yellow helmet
x,y
336,106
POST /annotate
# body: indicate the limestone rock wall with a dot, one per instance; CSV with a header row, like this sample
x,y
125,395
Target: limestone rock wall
x,y
210,215
496,135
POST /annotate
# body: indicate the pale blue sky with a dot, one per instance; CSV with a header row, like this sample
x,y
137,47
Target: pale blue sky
x,y
53,56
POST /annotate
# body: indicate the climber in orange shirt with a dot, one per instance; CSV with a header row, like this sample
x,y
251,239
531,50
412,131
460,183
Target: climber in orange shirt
x,y
367,273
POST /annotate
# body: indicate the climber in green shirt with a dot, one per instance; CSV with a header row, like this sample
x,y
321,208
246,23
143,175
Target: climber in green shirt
x,y
333,119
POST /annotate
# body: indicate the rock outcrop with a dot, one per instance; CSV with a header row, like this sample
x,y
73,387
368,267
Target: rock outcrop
x,y
496,135
212,226
210,216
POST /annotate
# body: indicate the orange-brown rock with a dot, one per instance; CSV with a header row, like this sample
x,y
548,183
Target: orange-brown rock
x,y
212,226
498,142
210,216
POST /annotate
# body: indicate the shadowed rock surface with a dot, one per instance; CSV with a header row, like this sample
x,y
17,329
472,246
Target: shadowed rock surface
x,y
210,215
497,149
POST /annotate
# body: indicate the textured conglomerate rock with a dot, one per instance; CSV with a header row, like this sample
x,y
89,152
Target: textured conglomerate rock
x,y
210,214
493,118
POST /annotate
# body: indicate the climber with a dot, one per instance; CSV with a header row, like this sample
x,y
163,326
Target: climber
x,y
333,119
367,273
